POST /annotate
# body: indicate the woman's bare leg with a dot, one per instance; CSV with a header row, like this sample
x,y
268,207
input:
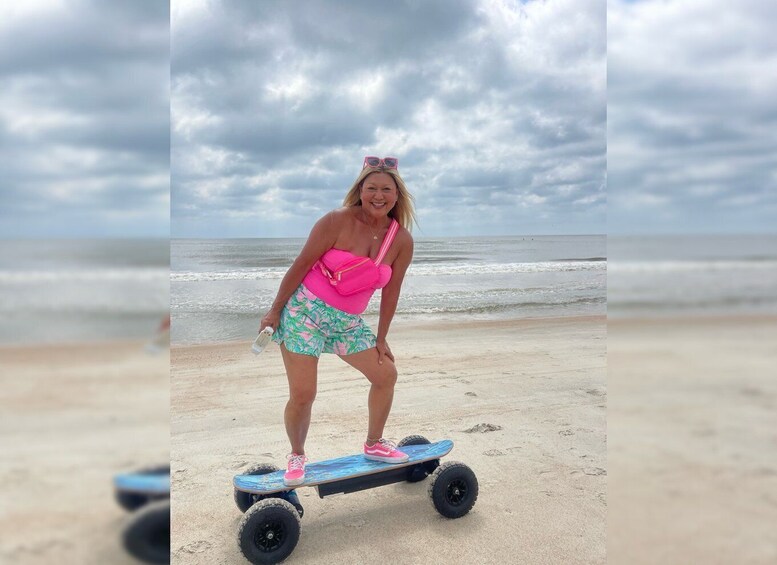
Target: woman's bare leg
x,y
383,378
302,372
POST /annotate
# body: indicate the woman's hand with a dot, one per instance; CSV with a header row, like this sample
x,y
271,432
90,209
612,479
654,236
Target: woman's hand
x,y
383,351
271,319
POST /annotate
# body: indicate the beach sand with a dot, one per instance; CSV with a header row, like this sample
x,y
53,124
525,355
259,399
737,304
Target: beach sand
x,y
692,419
73,416
542,474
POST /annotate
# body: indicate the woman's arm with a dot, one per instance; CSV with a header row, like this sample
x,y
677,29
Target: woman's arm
x,y
390,295
321,239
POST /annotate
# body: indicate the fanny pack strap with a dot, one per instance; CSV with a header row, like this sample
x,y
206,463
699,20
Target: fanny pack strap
x,y
324,271
392,231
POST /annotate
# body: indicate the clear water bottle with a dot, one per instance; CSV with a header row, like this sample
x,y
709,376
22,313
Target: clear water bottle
x,y
262,340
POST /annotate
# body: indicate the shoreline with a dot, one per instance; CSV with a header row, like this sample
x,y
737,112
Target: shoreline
x,y
661,320
431,325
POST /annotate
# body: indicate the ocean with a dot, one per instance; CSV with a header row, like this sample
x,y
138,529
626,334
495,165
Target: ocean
x,y
63,291
219,289
89,290
694,275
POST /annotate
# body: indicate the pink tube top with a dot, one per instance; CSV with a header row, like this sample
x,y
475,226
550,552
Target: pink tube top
x,y
319,285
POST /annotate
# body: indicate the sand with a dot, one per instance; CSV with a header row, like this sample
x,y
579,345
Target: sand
x,y
542,474
692,419
72,417
690,476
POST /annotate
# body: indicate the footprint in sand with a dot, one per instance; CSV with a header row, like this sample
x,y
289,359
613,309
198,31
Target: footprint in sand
x,y
470,394
566,433
356,523
195,547
483,428
594,471
493,453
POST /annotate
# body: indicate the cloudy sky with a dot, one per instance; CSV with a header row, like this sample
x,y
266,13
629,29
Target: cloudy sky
x,y
496,110
692,119
84,118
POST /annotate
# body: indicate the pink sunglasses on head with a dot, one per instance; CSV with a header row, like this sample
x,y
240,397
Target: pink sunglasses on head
x,y
386,162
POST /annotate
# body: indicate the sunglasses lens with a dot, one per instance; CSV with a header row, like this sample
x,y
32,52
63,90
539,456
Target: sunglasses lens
x,y
390,162
372,161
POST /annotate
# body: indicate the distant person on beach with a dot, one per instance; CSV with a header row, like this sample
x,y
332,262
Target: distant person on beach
x,y
161,339
350,253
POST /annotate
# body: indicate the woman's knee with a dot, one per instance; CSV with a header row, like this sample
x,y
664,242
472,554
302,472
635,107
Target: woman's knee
x,y
302,396
386,376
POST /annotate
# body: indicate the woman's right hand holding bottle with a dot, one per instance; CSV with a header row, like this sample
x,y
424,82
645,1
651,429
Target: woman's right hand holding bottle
x,y
270,319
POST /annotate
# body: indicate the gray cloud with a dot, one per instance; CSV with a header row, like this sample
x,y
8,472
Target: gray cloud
x,y
692,121
499,104
84,118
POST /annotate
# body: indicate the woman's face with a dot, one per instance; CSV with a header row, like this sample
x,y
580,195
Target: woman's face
x,y
378,194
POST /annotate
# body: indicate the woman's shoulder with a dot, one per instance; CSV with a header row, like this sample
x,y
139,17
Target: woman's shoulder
x,y
404,237
343,214
338,217
344,211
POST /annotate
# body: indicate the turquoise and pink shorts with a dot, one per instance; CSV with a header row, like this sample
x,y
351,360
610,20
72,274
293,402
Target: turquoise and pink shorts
x,y
310,326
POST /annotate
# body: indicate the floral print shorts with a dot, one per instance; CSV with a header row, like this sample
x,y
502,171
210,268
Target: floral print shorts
x,y
310,326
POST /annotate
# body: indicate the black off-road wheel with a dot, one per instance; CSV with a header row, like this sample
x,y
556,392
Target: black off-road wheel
x,y
453,489
418,473
245,500
131,501
269,531
147,537
413,440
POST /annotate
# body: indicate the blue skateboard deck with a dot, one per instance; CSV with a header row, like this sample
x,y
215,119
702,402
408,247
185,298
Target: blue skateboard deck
x,y
342,468
143,483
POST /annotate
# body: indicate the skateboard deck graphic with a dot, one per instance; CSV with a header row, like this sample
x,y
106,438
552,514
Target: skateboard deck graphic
x,y
341,468
143,483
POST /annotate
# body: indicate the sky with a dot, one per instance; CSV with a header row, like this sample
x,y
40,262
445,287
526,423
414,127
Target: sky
x,y
495,109
691,117
507,117
84,119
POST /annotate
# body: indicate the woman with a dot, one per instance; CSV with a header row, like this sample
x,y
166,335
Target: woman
x,y
350,252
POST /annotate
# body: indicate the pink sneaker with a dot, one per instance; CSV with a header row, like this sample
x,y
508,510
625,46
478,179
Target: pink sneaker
x,y
384,450
295,472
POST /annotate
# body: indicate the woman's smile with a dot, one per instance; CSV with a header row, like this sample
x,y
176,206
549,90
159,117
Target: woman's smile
x,y
378,193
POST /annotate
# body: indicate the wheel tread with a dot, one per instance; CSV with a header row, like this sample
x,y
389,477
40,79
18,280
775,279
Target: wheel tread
x,y
141,521
445,468
413,440
242,498
260,506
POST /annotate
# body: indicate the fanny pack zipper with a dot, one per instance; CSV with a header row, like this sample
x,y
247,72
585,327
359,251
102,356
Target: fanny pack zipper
x,y
335,277
352,267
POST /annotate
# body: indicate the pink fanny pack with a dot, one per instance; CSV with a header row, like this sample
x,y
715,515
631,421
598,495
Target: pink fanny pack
x,y
359,273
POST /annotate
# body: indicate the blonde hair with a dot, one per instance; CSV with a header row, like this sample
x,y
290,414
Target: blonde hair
x,y
403,211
